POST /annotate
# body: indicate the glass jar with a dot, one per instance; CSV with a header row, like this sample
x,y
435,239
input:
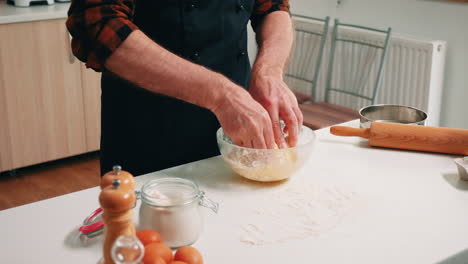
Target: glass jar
x,y
127,250
172,207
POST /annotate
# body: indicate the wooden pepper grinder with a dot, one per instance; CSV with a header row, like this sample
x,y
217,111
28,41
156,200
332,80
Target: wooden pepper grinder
x,y
117,202
126,179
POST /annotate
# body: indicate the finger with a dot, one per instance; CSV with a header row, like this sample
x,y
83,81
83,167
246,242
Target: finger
x,y
268,134
296,109
276,128
299,116
289,118
242,144
238,142
257,140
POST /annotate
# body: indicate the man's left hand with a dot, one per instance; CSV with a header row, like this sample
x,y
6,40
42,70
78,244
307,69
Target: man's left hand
x,y
269,89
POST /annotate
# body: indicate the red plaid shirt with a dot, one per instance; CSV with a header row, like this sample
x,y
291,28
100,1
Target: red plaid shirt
x,y
98,27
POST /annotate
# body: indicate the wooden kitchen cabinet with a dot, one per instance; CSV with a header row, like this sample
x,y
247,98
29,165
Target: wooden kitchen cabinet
x,y
91,83
47,101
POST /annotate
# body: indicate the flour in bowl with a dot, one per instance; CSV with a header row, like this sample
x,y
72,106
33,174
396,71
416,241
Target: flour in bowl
x,y
262,165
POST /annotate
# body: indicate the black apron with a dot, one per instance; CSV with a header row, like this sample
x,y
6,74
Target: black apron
x,y
145,132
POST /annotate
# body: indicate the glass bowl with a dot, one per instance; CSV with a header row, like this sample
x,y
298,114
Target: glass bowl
x,y
266,165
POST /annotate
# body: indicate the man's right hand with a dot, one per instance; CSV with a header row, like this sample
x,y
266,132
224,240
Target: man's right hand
x,y
244,120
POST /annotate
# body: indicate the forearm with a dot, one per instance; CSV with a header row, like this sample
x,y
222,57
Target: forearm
x,y
150,66
274,38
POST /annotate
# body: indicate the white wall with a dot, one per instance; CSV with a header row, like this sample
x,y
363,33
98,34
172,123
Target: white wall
x,y
424,19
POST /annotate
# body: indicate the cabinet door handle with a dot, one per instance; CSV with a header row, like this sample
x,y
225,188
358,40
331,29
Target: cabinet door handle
x,y
72,57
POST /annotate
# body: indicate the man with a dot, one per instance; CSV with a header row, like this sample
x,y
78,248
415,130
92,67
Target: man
x,y
174,70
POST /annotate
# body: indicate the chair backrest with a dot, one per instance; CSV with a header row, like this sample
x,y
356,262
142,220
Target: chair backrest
x,y
357,59
306,57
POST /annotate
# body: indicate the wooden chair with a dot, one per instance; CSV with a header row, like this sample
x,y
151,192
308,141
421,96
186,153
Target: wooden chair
x,y
354,75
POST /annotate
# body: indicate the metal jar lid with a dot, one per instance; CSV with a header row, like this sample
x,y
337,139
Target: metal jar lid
x,y
173,191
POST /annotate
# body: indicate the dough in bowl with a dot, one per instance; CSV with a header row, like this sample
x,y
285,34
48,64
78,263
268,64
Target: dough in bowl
x,y
262,165
266,165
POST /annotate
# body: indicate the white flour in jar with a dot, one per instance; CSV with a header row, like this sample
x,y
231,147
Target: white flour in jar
x,y
179,223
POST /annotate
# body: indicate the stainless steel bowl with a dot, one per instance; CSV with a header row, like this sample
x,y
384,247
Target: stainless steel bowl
x,y
391,114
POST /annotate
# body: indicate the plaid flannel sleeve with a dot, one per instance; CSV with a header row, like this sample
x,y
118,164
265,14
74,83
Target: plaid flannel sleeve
x,y
264,7
98,27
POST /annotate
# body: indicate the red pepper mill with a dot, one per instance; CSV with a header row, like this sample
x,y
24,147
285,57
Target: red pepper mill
x,y
117,201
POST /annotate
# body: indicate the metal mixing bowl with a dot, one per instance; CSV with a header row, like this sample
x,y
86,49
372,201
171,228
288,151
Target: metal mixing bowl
x,y
391,114
266,165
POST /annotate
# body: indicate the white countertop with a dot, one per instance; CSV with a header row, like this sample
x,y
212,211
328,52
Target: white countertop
x,y
409,207
11,14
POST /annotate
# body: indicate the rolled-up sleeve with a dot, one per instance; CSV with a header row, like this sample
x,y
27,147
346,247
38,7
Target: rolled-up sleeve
x,y
264,7
98,27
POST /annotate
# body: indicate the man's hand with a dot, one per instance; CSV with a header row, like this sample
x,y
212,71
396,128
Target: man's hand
x,y
244,120
275,38
268,88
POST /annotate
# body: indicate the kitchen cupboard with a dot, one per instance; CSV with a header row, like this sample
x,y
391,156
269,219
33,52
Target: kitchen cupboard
x,y
49,105
91,83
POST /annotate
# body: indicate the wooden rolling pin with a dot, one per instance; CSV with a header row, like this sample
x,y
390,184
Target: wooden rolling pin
x,y
412,137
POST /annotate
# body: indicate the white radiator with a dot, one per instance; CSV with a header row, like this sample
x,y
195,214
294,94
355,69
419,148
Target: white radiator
x,y
412,76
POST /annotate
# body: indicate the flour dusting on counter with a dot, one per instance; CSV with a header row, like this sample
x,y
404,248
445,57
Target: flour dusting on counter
x,y
296,212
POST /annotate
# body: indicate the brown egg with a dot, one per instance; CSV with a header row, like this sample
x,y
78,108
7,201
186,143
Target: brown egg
x,y
154,250
156,260
189,255
148,236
